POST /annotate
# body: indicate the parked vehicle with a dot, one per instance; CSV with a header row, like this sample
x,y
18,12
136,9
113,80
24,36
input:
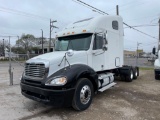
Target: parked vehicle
x,y
157,65
88,54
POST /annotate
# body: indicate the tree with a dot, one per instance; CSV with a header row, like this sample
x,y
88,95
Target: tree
x,y
19,50
29,43
25,40
3,44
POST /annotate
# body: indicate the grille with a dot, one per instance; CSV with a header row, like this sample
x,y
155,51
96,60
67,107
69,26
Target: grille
x,y
34,70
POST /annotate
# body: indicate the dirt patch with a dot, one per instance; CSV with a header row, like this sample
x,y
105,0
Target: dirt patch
x,y
138,100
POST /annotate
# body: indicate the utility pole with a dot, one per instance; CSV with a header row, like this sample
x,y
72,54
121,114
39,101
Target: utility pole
x,y
159,36
137,54
117,9
3,48
51,28
18,45
42,42
10,67
18,40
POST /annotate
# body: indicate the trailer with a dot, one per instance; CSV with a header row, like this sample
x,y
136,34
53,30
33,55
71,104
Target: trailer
x,y
88,55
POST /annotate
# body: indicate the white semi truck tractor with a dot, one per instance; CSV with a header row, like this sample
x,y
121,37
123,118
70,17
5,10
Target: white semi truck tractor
x,y
88,55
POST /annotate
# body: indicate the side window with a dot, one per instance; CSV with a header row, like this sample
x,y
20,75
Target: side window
x,y
115,25
98,42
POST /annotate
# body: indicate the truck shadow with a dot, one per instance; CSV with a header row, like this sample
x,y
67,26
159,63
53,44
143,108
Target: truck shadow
x,y
47,110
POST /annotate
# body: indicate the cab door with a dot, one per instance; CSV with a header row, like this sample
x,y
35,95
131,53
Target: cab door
x,y
98,54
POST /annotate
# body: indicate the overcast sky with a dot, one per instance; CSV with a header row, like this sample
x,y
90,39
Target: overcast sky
x,y
30,16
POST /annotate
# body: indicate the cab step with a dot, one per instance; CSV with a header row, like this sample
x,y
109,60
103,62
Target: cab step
x,y
107,87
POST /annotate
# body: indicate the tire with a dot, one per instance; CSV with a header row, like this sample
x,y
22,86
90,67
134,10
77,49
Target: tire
x,y
129,77
83,94
135,73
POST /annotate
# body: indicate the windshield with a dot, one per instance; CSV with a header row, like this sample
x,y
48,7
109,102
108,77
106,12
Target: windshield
x,y
75,42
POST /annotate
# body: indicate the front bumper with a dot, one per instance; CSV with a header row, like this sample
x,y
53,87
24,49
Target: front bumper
x,y
56,98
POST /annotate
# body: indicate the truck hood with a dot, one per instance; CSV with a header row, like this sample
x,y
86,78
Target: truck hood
x,y
56,57
52,56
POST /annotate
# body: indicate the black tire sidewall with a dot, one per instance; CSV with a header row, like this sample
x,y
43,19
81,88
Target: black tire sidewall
x,y
128,77
135,69
82,82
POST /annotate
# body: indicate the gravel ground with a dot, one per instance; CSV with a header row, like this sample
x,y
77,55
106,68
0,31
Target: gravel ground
x,y
139,100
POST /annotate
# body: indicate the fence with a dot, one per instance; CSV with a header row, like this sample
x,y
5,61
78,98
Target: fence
x,y
17,67
11,71
4,72
141,62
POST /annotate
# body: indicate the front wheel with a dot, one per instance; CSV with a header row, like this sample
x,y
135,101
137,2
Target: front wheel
x,y
83,94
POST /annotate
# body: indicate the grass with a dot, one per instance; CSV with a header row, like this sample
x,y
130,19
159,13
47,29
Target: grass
x,y
146,68
7,60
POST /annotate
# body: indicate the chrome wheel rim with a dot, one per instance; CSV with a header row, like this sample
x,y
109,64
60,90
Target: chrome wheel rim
x,y
131,74
85,94
136,74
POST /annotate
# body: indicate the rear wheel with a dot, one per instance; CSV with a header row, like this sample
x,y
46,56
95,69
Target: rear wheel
x,y
83,94
135,73
129,77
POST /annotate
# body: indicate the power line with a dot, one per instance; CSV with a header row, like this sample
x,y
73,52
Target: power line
x,y
141,18
121,6
142,45
30,15
91,6
96,9
134,6
142,26
13,11
26,14
87,6
7,33
8,36
144,33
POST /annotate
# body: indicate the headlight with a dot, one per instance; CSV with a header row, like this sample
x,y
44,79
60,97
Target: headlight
x,y
59,81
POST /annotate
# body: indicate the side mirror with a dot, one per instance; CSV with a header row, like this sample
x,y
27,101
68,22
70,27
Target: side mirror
x,y
154,50
70,53
104,48
104,36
